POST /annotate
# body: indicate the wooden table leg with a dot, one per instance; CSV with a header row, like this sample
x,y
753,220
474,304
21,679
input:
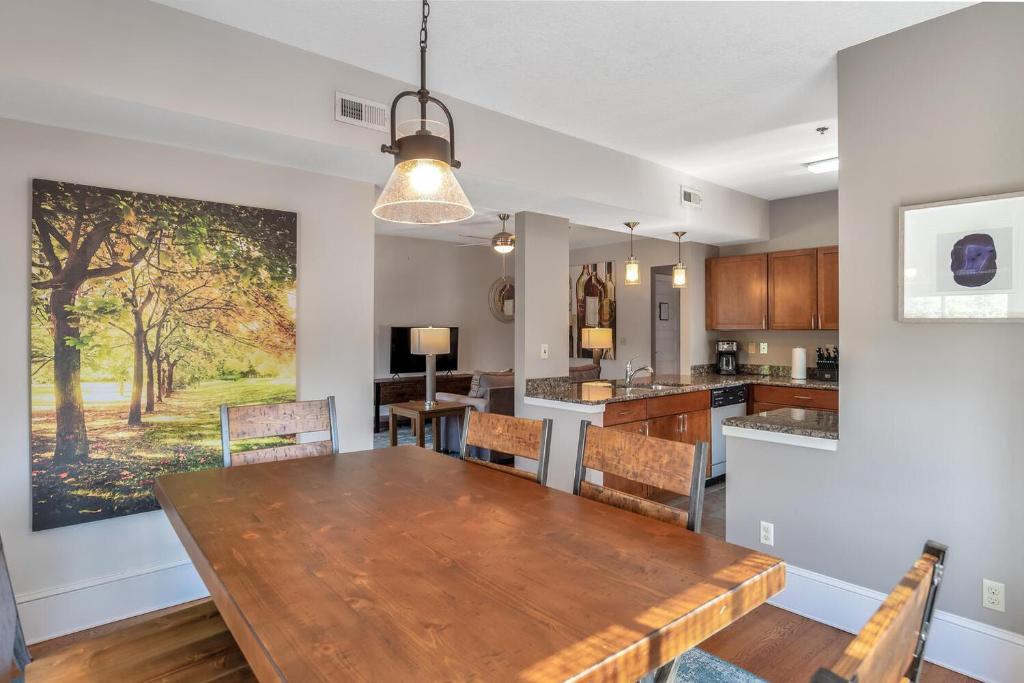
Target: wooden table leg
x,y
437,434
420,428
392,427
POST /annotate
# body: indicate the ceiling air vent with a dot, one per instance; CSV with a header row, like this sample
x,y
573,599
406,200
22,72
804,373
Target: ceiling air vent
x,y
360,112
689,197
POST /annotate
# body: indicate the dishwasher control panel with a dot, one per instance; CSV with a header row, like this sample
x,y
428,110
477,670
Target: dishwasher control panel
x,y
727,396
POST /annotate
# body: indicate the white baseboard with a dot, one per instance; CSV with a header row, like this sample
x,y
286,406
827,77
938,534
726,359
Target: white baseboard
x,y
984,652
61,610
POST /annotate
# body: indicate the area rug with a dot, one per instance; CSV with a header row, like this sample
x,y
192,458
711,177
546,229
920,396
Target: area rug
x,y
698,666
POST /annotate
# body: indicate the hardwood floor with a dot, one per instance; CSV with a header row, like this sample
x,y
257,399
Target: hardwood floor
x,y
782,647
184,643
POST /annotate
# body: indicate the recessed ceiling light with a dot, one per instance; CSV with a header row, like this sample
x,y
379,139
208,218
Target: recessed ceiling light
x,y
823,166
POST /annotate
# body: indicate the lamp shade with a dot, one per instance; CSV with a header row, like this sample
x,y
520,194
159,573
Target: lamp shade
x,y
424,192
596,338
424,341
679,276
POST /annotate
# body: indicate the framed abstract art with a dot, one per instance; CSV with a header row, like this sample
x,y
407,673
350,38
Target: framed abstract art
x,y
963,260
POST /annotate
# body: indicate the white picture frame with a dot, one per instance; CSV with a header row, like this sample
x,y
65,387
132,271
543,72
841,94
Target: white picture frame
x,y
962,260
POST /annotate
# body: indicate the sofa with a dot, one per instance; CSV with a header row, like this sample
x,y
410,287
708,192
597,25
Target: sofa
x,y
489,392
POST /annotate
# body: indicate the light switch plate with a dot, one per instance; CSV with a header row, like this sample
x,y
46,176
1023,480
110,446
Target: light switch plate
x,y
544,351
751,348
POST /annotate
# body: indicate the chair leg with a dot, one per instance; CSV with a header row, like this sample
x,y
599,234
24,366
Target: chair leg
x,y
666,673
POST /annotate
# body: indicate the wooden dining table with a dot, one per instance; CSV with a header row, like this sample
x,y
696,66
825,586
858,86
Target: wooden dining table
x,y
399,564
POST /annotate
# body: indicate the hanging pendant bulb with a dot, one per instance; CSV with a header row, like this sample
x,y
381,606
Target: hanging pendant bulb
x,y
679,270
422,189
632,265
504,242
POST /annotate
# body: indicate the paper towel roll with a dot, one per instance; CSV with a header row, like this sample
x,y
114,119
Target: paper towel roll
x,y
799,363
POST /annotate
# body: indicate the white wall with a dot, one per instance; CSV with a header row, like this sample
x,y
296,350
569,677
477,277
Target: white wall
x,y
74,577
931,415
795,223
633,303
429,282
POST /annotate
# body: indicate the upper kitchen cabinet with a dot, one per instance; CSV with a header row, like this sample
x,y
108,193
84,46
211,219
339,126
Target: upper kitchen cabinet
x,y
737,292
782,290
793,289
828,288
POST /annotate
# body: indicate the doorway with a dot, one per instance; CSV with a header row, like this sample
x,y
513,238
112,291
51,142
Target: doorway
x,y
664,322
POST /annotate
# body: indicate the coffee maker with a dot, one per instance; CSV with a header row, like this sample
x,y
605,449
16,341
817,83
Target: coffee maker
x,y
726,363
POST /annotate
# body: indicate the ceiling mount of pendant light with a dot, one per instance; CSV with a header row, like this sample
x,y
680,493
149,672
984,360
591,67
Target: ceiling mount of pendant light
x,y
504,242
422,188
632,265
679,270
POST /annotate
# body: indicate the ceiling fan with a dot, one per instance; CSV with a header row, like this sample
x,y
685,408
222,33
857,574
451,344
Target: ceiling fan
x,y
503,242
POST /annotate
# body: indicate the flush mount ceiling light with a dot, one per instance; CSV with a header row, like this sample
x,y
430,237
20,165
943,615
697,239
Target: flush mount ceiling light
x,y
679,270
823,166
422,188
632,265
504,242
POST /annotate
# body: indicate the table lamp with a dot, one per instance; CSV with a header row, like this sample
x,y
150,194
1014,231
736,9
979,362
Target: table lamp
x,y
430,341
597,339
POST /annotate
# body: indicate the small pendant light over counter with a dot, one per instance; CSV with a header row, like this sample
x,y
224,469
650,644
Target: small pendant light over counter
x,y
632,265
422,188
504,242
679,270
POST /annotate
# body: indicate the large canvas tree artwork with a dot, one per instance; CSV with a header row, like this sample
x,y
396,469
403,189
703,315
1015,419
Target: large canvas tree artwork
x,y
147,313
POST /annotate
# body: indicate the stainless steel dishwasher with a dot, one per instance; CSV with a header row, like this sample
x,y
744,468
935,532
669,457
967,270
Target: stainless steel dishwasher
x,y
725,402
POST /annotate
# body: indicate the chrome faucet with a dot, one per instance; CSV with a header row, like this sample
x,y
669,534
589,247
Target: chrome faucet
x,y
631,373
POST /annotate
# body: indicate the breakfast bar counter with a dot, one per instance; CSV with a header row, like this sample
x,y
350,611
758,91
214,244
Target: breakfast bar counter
x,y
796,426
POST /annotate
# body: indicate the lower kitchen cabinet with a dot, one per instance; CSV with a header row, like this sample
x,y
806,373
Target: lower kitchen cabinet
x,y
764,398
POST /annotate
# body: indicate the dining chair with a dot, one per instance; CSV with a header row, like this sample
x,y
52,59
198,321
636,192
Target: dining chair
x,y
670,465
274,420
517,436
13,653
890,647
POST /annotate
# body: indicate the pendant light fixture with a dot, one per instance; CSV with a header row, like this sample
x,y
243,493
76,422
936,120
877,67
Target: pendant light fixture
x,y
679,270
632,265
504,242
422,188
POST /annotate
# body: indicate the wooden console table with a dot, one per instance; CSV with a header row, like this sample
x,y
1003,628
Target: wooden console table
x,y
413,388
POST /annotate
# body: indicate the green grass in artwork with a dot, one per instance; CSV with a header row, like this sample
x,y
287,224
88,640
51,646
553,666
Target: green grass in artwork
x,y
117,478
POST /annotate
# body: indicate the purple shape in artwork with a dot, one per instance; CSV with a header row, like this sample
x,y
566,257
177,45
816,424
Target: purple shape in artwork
x,y
973,260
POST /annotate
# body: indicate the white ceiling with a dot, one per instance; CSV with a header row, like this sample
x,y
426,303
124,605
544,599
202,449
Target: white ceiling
x,y
485,223
730,92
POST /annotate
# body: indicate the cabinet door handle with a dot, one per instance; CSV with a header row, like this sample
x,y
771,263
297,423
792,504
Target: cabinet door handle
x,y
682,423
647,428
803,398
764,322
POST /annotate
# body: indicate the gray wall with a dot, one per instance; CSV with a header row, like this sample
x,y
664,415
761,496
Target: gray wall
x,y
542,298
83,575
932,420
429,282
796,223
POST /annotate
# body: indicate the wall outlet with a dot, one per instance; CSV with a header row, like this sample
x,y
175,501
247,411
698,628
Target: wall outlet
x,y
993,595
764,347
767,533
544,351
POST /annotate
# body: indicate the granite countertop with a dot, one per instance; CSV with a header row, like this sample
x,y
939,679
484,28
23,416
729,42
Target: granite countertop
x,y
600,392
819,424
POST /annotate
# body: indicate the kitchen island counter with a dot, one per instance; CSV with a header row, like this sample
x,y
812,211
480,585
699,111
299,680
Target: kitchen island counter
x,y
796,426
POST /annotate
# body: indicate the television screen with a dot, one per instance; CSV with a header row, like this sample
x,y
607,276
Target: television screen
x,y
402,360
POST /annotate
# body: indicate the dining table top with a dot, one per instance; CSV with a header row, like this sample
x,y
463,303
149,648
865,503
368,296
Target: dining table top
x,y
400,564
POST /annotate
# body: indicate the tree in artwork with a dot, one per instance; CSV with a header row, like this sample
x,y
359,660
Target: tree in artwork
x,y
148,311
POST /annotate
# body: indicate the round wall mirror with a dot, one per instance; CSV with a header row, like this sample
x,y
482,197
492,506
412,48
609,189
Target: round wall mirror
x,y
502,299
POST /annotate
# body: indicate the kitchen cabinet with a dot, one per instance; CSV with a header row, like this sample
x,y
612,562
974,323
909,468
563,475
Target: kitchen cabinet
x,y
793,289
783,290
764,398
828,288
736,292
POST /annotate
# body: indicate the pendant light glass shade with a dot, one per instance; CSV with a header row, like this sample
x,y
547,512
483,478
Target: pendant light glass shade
x,y
632,265
679,276
425,192
503,242
679,270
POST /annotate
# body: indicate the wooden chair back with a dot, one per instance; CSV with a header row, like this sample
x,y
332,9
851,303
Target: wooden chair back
x,y
278,419
890,647
671,465
519,436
